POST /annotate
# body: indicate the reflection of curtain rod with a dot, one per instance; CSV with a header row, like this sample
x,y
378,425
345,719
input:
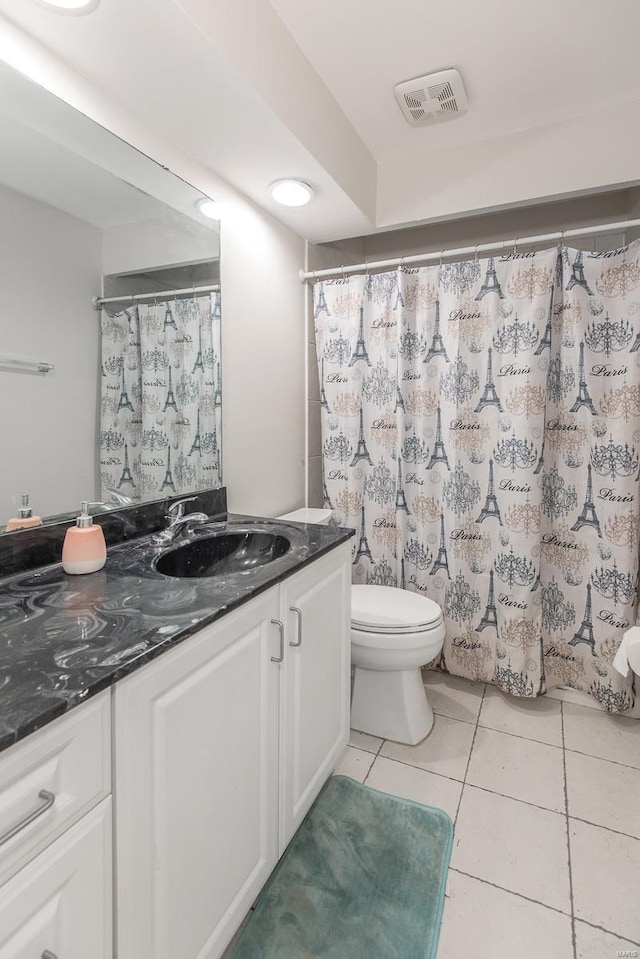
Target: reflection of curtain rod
x,y
24,366
468,250
159,294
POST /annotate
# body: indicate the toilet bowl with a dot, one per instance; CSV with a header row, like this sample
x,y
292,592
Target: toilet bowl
x,y
393,634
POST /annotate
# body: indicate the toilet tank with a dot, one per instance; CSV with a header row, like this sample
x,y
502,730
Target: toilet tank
x,y
308,515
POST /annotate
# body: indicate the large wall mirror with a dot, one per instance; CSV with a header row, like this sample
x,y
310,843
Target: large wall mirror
x,y
110,316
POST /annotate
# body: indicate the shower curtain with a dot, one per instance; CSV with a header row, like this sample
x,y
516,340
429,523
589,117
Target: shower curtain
x,y
481,431
161,398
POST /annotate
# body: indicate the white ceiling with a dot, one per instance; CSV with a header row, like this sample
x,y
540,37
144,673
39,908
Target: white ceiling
x,y
263,89
524,64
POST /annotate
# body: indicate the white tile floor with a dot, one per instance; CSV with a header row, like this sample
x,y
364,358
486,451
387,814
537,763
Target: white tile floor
x,y
545,797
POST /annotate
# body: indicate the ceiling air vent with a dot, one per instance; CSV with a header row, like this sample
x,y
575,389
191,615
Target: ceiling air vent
x,y
438,96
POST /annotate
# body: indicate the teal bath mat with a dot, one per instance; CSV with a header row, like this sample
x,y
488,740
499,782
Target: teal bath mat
x,y
363,878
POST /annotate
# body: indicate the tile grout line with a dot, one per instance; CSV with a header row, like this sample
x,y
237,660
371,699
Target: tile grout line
x,y
494,792
512,892
566,807
464,780
616,935
545,905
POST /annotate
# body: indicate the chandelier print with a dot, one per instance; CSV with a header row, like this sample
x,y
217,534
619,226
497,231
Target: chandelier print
x,y
481,433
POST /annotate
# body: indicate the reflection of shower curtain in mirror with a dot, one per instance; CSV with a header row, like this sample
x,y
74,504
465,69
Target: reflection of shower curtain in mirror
x,y
161,398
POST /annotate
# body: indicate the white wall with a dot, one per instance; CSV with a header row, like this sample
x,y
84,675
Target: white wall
x,y
263,302
170,241
50,267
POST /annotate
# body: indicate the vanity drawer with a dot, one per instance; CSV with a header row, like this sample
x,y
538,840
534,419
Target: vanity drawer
x,y
50,779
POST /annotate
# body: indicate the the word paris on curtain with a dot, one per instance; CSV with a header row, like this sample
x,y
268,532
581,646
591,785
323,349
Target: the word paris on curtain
x,y
481,431
161,398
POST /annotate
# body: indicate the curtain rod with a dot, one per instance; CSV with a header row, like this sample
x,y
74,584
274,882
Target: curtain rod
x,y
466,250
98,301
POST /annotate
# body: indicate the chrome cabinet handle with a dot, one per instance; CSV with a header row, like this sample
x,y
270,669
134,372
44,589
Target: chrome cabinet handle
x,y
48,801
298,612
280,625
47,954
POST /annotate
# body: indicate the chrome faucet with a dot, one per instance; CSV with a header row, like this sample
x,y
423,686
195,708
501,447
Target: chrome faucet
x,y
177,521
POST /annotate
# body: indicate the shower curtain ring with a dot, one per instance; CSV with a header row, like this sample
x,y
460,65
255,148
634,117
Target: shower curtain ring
x,y
342,270
441,256
515,245
561,240
315,276
475,253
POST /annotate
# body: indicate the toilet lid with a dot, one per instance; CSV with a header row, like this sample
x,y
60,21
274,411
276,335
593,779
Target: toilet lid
x,y
389,609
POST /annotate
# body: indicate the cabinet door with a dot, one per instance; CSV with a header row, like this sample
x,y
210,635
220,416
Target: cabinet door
x,y
196,787
315,691
61,901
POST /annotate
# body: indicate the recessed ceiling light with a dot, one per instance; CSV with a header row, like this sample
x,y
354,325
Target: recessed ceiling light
x,y
70,6
291,192
209,208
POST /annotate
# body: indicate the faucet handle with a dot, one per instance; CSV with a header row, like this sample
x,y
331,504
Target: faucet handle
x,y
176,510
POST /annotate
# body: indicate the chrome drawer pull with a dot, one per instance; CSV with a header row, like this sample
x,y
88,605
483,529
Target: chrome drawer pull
x,y
48,801
278,659
47,954
295,609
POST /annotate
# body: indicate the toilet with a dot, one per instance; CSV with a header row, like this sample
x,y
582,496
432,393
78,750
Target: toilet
x,y
393,634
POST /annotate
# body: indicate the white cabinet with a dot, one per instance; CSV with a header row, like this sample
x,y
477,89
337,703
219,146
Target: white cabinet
x,y
221,746
315,690
196,781
60,904
55,839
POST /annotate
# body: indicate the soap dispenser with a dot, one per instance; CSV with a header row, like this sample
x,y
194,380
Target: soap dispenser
x,y
84,549
25,517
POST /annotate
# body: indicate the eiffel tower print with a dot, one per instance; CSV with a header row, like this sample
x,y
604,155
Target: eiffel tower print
x,y
441,560
489,396
196,446
360,352
324,403
124,403
168,319
636,343
126,478
490,283
540,462
170,400
361,453
588,516
403,581
583,398
490,508
326,501
363,545
401,500
585,633
437,345
577,277
439,454
217,396
199,365
168,477
545,342
490,617
399,401
321,305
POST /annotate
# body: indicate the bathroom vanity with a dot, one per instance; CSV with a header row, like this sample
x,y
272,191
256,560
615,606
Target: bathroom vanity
x,y
216,709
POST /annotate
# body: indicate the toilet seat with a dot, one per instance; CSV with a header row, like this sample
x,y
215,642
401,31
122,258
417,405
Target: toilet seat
x,y
392,611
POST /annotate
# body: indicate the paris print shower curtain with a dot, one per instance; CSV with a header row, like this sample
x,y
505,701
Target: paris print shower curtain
x,y
481,431
161,398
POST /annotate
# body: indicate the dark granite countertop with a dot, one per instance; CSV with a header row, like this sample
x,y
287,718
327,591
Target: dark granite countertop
x,y
64,638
